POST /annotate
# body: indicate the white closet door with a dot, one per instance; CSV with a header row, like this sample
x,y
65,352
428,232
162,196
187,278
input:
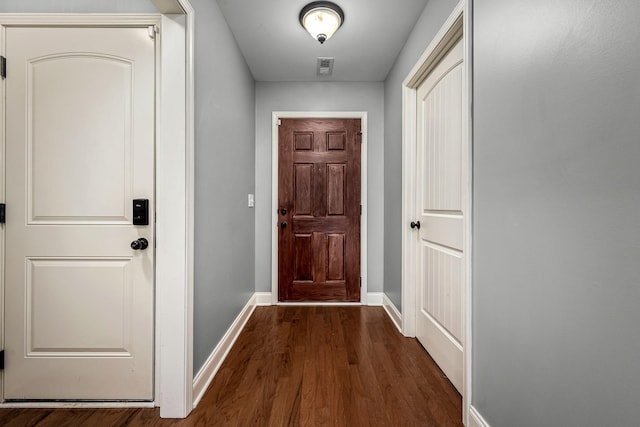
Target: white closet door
x,y
441,209
79,149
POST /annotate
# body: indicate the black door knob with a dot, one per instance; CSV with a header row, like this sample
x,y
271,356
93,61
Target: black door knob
x,y
283,224
140,244
415,224
283,211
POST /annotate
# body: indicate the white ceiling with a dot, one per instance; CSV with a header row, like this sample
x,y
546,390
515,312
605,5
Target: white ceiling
x,y
277,48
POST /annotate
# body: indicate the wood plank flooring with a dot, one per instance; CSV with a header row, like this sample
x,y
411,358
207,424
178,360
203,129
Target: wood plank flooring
x,y
301,366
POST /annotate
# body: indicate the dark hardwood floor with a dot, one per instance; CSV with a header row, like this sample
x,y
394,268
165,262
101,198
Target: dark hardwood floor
x,y
302,366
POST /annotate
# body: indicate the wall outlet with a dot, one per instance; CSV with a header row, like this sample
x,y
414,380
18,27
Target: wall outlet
x,y
251,201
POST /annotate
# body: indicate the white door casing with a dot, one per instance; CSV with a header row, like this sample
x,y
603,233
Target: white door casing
x,y
79,149
440,210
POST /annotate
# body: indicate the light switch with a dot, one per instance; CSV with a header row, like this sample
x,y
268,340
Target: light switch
x,y
251,201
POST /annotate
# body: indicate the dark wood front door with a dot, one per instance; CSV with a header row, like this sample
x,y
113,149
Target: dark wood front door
x,y
319,210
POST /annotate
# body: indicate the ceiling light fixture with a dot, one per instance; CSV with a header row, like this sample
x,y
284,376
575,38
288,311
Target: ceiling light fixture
x,y
321,19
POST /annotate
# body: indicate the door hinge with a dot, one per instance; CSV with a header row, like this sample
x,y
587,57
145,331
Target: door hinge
x,y
153,30
1,360
361,282
360,210
279,122
3,213
3,67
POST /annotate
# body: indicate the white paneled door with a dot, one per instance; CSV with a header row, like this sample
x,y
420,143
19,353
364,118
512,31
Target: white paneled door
x,y
79,149
441,197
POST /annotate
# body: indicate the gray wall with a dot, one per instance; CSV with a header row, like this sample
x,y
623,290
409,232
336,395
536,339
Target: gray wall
x,y
556,201
434,15
224,146
224,227
319,97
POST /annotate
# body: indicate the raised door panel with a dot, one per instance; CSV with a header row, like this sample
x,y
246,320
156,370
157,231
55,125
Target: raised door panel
x,y
102,303
336,141
303,141
302,194
443,144
320,257
443,288
79,156
336,189
303,256
336,253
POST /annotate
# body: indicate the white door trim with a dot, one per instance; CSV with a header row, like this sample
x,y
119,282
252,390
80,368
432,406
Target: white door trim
x,y
277,115
175,212
458,23
174,190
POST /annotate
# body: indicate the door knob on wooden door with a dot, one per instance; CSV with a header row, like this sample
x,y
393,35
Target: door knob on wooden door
x,y
283,224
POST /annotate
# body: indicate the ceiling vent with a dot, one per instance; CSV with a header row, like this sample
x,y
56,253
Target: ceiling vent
x,y
325,66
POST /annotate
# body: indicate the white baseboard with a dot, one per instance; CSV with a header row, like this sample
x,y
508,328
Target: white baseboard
x,y
263,298
392,311
205,376
76,405
475,419
374,299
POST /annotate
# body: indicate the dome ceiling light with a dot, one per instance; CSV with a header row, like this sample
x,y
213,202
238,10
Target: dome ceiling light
x,y
321,19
